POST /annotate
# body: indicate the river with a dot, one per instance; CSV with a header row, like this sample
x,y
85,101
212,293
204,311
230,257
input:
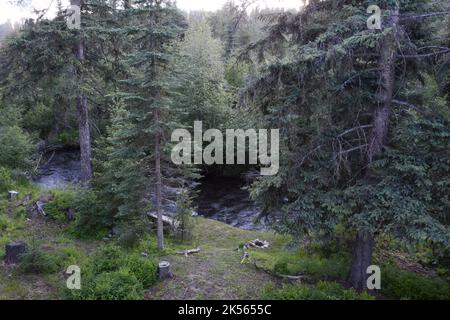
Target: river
x,y
219,198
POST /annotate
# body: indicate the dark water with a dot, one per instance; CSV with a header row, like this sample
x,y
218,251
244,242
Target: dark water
x,y
223,199
59,170
219,198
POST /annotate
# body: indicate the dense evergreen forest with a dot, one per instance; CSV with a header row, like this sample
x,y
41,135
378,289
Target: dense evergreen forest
x,y
359,207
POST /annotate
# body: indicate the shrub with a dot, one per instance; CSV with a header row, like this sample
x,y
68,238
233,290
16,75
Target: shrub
x,y
17,148
113,275
115,285
183,231
109,259
39,119
36,261
321,291
144,269
299,263
5,179
397,284
62,201
91,219
129,238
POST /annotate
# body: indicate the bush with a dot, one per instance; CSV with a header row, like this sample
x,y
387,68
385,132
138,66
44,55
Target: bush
x,y
144,269
185,226
109,259
116,285
39,119
17,148
62,201
36,261
397,284
91,219
321,291
114,275
299,263
5,179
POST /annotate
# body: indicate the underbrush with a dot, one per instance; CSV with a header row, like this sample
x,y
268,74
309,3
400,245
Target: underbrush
x,y
321,291
114,274
298,262
398,284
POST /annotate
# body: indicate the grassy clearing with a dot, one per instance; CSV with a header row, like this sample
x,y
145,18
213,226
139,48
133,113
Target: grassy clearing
x,y
216,272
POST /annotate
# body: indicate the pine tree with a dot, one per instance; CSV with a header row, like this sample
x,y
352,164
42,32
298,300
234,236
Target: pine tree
x,y
332,93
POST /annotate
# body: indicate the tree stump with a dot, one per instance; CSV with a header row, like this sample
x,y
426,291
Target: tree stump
x,y
12,195
13,251
164,270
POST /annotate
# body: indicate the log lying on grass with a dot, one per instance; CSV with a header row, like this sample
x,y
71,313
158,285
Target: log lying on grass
x,y
166,219
190,251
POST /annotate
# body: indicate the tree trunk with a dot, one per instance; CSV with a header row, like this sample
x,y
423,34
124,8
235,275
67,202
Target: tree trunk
x,y
83,115
364,242
362,258
382,111
158,185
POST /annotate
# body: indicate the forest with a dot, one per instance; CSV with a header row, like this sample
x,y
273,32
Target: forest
x,y
312,148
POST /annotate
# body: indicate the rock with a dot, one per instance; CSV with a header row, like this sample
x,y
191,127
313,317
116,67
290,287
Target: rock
x,y
12,195
13,251
164,270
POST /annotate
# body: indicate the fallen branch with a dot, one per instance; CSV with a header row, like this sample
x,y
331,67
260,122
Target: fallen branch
x,y
188,252
39,208
281,276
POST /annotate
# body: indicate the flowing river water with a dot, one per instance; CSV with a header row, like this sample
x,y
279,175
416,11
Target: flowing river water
x,y
219,198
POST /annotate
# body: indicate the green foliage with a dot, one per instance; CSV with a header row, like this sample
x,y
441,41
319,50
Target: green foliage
x,y
115,275
16,148
110,258
116,285
144,269
61,202
70,138
39,119
184,229
91,221
398,284
5,178
299,262
321,291
36,261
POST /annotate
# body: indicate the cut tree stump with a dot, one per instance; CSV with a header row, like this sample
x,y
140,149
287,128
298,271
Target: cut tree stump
x,y
12,195
13,251
164,270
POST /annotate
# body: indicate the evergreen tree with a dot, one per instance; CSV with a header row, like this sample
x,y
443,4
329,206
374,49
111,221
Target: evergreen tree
x,y
332,93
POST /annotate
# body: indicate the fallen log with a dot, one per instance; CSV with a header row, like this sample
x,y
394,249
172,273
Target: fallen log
x,y
166,219
188,252
281,276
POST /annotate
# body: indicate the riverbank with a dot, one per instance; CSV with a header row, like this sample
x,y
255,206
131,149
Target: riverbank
x,y
223,269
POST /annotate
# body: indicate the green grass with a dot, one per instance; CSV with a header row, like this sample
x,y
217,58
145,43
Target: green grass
x,y
321,291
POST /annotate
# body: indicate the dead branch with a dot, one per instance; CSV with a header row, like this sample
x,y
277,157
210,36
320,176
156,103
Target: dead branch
x,y
188,252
